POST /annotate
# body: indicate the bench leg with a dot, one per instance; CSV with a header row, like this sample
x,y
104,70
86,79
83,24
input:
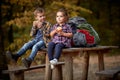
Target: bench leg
x,y
85,66
68,67
101,63
17,76
48,71
57,73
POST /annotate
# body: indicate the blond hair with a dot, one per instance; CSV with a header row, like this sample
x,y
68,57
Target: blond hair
x,y
38,10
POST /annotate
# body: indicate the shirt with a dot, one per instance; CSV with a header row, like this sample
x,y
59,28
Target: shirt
x,y
62,39
42,33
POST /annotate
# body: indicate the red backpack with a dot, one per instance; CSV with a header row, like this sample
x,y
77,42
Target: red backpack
x,y
89,37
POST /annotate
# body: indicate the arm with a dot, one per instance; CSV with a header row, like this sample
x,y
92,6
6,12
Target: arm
x,y
34,28
46,31
52,33
67,34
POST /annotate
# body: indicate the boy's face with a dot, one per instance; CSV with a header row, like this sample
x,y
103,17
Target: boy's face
x,y
61,18
40,17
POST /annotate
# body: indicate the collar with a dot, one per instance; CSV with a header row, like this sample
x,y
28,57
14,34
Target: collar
x,y
62,24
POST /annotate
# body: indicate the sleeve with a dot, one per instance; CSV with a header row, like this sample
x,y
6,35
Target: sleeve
x,y
69,29
47,29
52,28
33,31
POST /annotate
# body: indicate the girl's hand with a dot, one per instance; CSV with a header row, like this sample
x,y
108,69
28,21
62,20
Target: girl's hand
x,y
61,33
59,29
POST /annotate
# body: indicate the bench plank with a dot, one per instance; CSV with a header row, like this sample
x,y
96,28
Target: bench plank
x,y
21,68
110,73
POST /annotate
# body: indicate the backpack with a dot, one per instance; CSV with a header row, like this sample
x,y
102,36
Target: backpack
x,y
78,40
75,21
84,34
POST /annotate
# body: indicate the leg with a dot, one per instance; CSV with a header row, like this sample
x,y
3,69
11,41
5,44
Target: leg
x,y
35,49
51,46
25,47
27,61
58,50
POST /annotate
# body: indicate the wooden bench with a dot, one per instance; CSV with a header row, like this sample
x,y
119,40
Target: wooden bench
x,y
110,74
68,63
68,59
17,72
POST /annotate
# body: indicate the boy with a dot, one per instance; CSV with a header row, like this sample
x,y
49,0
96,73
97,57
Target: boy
x,y
40,33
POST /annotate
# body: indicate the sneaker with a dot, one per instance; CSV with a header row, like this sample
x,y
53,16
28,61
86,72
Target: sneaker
x,y
54,61
26,62
11,57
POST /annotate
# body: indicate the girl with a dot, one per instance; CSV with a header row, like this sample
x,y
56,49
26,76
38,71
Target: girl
x,y
61,34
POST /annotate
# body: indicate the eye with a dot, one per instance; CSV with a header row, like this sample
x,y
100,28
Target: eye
x,y
57,16
42,16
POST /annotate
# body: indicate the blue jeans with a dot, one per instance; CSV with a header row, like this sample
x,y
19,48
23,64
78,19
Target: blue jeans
x,y
35,45
55,50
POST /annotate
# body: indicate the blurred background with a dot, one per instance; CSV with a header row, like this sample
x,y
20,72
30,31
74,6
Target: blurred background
x,y
17,16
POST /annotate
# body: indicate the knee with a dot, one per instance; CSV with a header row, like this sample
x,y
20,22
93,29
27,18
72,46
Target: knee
x,y
25,45
50,44
35,47
59,45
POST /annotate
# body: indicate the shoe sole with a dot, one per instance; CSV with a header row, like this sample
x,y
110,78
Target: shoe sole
x,y
25,63
52,66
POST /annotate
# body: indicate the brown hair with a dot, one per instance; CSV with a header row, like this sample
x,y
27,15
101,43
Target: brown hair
x,y
63,10
38,10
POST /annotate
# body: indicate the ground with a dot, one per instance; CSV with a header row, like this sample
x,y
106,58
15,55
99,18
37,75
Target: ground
x,y
110,61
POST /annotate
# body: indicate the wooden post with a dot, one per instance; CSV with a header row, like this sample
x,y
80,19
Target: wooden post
x,y
17,76
57,73
85,65
101,63
68,66
48,71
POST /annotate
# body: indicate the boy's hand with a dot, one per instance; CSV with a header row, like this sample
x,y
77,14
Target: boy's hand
x,y
37,24
34,24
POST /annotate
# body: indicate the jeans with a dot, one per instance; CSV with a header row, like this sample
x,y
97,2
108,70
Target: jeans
x,y
55,49
35,45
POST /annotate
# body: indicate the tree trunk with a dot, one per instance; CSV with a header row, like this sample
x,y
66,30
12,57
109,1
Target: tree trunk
x,y
3,64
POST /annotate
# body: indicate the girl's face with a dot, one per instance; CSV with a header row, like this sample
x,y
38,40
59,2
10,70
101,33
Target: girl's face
x,y
61,18
40,17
